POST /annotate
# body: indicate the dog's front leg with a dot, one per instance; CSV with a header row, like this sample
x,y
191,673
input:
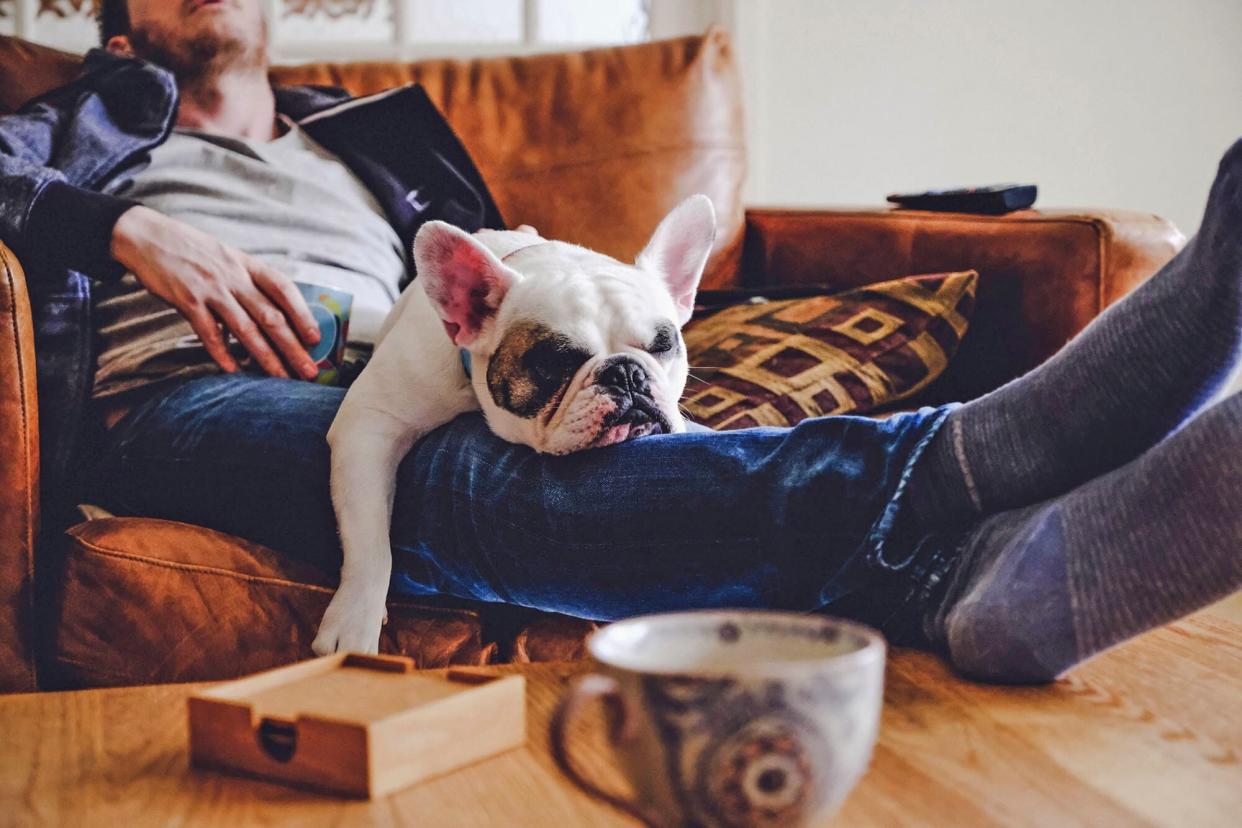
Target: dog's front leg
x,y
367,446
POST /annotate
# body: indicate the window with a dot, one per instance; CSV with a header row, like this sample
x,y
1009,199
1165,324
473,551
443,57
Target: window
x,y
69,24
379,29
420,28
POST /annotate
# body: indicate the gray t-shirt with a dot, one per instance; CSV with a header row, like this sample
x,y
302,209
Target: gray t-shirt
x,y
289,203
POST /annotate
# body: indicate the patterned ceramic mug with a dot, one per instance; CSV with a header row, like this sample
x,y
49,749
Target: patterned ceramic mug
x,y
732,718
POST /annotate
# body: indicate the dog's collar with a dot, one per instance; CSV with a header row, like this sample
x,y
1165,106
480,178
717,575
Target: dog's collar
x,y
465,362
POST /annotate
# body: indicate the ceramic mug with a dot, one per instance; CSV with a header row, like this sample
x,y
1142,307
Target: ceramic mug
x,y
732,718
331,309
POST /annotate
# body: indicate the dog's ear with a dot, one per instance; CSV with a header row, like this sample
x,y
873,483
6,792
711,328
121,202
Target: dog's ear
x,y
464,280
679,248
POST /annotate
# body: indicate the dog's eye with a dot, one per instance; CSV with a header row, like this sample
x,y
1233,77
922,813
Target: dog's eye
x,y
553,362
546,373
663,342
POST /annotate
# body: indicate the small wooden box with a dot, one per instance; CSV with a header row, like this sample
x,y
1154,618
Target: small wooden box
x,y
356,725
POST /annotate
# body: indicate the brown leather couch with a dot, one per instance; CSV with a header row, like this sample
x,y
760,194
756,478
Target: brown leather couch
x,y
590,146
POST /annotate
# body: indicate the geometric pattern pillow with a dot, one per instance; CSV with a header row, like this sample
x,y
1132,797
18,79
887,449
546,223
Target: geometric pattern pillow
x,y
777,363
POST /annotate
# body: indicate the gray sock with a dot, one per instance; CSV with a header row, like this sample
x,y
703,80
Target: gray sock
x,y
1128,380
1039,589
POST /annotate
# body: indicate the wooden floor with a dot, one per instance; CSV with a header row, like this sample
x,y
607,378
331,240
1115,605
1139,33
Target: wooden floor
x,y
1229,609
1148,734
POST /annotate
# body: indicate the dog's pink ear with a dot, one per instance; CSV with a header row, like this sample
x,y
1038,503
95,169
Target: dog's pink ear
x,y
464,280
679,248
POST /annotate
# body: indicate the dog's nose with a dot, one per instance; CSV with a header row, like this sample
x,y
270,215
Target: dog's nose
x,y
627,375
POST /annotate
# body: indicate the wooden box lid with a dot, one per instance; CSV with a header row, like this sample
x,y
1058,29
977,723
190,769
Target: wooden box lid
x,y
356,725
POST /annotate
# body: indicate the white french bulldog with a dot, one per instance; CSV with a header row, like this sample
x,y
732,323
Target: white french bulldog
x,y
568,350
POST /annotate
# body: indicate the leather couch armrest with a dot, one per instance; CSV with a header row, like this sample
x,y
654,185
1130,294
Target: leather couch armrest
x,y
19,479
1044,274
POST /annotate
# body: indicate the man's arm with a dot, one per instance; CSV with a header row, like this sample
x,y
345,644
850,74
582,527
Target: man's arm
x,y
49,223
53,225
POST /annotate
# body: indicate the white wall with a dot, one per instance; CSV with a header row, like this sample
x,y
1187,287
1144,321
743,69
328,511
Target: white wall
x,y
1103,103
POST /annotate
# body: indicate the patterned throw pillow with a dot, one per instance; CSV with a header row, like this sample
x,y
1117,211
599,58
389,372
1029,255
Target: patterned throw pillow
x,y
777,363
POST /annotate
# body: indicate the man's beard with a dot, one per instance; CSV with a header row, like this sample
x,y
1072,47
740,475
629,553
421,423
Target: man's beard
x,y
197,61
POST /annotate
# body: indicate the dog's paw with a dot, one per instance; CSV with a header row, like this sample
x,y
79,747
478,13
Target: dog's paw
x,y
350,624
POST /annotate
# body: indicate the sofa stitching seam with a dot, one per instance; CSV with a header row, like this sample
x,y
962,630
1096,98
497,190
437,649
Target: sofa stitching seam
x,y
924,216
197,568
27,516
258,579
1102,244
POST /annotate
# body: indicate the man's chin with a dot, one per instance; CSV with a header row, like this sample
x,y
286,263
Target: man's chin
x,y
208,44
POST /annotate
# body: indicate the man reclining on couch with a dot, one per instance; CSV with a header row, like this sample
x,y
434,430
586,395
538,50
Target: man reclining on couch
x,y
1017,534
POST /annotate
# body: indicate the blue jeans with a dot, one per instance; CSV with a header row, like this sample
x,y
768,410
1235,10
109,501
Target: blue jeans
x,y
801,518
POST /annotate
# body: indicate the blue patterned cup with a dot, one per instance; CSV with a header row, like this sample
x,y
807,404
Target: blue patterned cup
x,y
331,309
732,718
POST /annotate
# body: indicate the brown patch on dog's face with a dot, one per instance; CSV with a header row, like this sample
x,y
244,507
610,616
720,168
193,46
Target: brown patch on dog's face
x,y
531,367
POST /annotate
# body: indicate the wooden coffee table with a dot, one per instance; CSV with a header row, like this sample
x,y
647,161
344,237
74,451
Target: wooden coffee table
x,y
1150,733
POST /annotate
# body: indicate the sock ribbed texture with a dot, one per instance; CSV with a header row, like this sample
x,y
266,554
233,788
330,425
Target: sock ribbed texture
x,y
1123,384
1042,588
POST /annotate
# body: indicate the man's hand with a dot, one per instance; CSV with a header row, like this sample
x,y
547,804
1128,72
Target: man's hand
x,y
212,284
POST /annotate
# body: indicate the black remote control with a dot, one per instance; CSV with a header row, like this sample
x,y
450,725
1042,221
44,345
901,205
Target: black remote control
x,y
995,200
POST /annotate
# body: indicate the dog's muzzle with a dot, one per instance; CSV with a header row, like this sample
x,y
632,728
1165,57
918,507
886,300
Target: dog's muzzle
x,y
625,380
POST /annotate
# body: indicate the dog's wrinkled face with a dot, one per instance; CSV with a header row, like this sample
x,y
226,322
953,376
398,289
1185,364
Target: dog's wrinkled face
x,y
571,349
614,369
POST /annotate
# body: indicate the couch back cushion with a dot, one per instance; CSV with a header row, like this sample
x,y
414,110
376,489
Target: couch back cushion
x,y
776,363
592,147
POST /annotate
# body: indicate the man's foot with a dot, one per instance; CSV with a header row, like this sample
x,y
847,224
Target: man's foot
x,y
1041,589
1128,380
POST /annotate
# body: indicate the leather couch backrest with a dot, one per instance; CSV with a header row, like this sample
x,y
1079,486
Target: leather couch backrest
x,y
592,147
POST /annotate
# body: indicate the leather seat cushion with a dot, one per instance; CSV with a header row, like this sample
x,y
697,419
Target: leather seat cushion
x,y
152,601
550,637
